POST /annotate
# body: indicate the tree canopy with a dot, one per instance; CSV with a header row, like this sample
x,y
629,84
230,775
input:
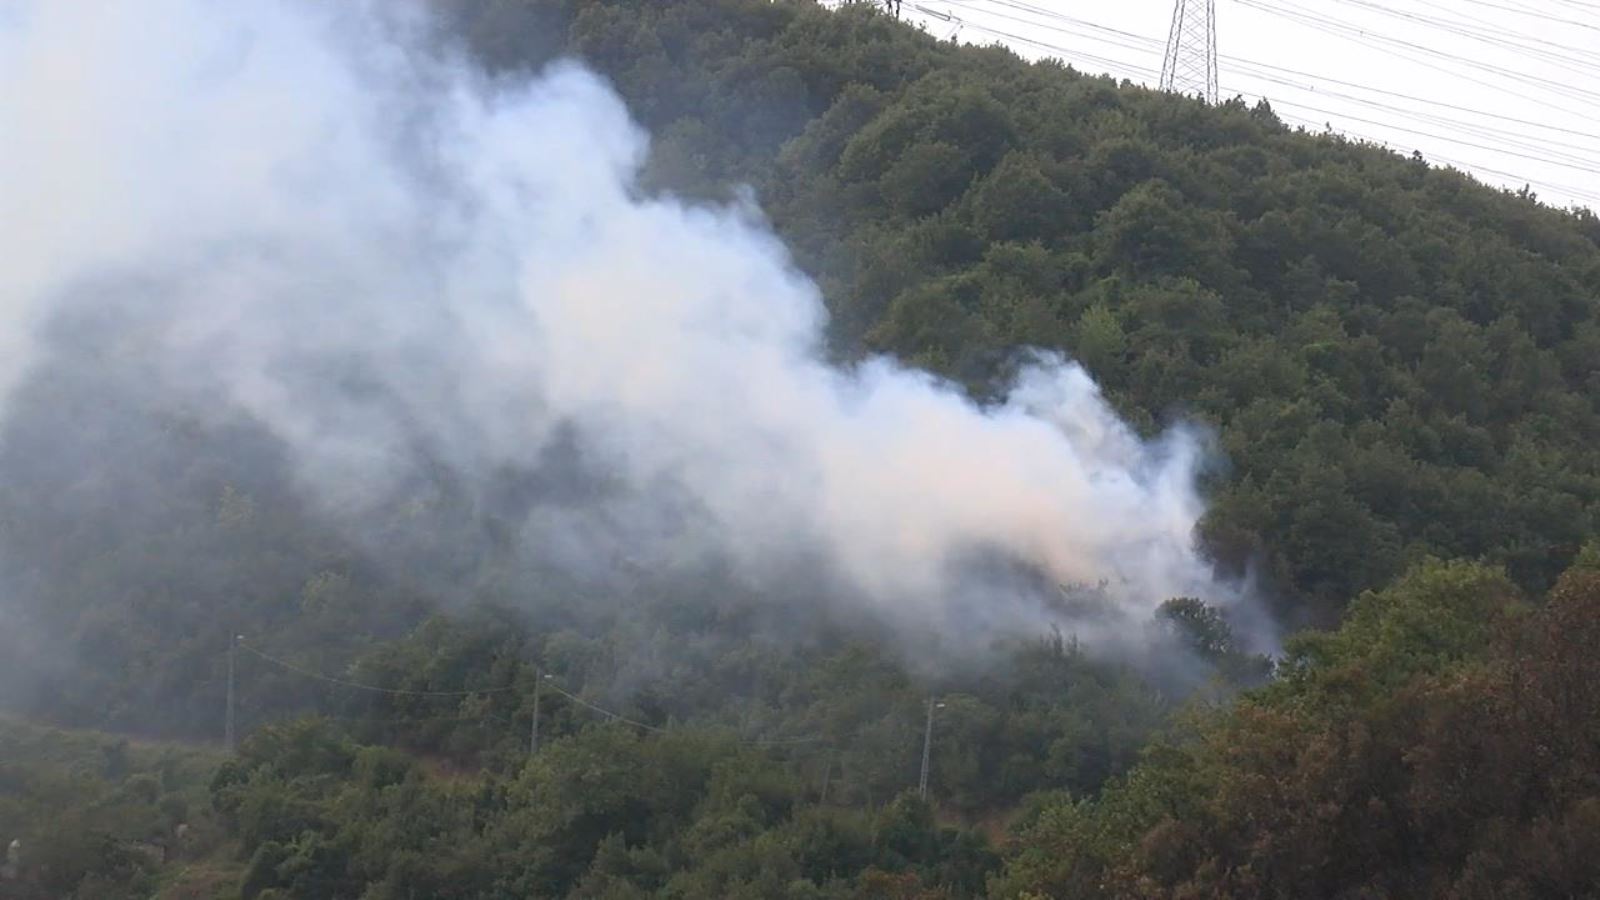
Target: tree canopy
x,y
1401,368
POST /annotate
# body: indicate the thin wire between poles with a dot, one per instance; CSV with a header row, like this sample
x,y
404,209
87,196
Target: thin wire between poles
x,y
356,685
609,714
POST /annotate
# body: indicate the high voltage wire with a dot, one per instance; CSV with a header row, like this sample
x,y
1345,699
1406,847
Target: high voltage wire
x,y
1497,35
1477,129
355,685
610,714
1569,190
1582,168
1579,65
616,717
1156,44
1432,4
1503,135
1403,96
1478,81
1500,140
1150,42
1125,67
1146,72
414,720
1581,5
1367,37
1584,159
1500,88
1497,31
1539,15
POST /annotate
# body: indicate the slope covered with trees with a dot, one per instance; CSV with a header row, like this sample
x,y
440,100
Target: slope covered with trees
x,y
1400,367
1398,362
1441,744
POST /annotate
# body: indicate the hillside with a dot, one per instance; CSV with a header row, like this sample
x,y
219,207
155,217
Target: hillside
x,y
1396,372
1398,362
99,816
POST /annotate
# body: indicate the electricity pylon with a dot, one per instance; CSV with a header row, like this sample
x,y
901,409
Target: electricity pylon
x,y
1190,63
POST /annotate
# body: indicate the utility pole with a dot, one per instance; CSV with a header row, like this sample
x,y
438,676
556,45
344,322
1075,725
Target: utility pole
x,y
233,652
533,732
927,749
1190,63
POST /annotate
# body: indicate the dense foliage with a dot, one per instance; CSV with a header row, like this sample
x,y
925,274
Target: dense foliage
x,y
85,815
1399,363
1400,367
604,814
1443,743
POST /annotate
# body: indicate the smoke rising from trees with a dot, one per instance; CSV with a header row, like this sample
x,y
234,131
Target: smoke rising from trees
x,y
309,216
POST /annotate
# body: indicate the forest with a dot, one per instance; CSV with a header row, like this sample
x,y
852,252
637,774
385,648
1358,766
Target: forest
x,y
1398,369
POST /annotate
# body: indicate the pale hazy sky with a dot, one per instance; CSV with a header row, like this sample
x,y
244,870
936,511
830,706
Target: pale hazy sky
x,y
1507,89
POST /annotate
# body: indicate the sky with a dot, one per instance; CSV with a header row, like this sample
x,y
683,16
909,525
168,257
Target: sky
x,y
1506,89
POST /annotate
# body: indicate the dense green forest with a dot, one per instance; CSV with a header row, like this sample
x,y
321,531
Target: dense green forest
x,y
1401,368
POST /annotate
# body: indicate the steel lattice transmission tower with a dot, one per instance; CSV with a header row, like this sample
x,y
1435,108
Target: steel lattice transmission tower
x,y
1190,64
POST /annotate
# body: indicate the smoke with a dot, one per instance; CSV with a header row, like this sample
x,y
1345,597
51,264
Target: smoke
x,y
308,215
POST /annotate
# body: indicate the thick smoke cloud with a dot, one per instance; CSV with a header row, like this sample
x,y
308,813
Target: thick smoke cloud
x,y
303,213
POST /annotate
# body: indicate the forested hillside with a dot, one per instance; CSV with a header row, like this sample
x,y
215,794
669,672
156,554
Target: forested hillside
x,y
1399,366
1398,361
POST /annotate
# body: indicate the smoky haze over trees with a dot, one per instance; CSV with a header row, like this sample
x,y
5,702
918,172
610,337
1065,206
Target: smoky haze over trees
x,y
756,371
431,319
418,279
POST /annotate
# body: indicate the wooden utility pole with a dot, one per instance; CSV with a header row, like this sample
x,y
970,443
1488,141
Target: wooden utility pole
x,y
533,730
228,725
927,749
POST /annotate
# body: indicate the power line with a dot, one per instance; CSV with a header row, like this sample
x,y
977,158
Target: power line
x,y
615,716
1148,42
1404,96
1477,129
1432,4
1539,15
618,717
1561,57
1594,8
1483,131
1498,139
543,679
1413,58
1503,135
1495,35
1367,37
546,680
1590,169
1465,167
355,685
1043,45
414,720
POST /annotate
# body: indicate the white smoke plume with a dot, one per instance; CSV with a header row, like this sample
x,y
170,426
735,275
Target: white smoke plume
x,y
301,211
